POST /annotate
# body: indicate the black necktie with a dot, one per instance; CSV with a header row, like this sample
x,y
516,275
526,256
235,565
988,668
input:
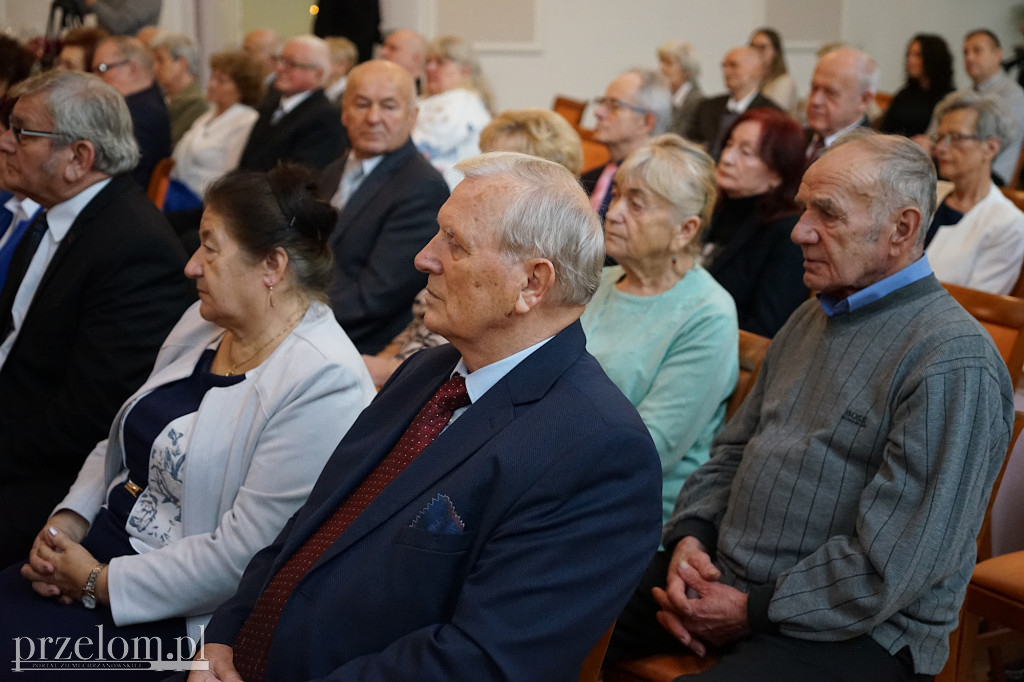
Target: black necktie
x,y
20,260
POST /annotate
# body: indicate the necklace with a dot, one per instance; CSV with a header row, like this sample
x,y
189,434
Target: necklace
x,y
287,328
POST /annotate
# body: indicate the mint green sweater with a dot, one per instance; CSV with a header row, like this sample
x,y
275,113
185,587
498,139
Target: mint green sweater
x,y
675,357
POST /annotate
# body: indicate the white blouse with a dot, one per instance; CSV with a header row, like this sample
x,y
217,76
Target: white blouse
x,y
212,146
448,129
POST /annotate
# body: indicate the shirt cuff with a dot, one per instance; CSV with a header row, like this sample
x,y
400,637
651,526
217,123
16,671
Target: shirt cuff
x,y
758,599
704,531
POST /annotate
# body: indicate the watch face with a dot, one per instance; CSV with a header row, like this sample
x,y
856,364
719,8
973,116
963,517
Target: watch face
x,y
88,601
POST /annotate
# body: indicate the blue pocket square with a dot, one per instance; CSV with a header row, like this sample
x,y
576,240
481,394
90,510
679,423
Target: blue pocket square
x,y
439,517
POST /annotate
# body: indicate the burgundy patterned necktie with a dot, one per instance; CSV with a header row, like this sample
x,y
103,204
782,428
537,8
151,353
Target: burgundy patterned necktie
x,y
252,645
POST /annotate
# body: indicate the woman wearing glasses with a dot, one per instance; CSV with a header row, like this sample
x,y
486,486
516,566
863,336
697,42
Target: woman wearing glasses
x,y
976,238
457,106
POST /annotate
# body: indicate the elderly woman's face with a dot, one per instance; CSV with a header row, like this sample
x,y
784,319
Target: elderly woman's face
x,y
444,74
957,150
230,285
221,90
673,73
639,228
741,172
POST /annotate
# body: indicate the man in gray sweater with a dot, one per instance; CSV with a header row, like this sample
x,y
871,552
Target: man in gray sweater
x,y
832,533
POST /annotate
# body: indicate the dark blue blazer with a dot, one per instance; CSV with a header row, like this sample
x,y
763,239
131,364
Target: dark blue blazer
x,y
152,126
388,219
558,485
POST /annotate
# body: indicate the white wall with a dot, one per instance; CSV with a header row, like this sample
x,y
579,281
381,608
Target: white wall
x,y
582,44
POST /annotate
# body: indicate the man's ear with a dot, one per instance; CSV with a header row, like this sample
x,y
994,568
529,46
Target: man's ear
x,y
908,225
650,122
540,279
83,155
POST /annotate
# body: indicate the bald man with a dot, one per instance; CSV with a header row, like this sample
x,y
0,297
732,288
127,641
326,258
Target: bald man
x,y
408,49
743,71
297,122
265,45
387,196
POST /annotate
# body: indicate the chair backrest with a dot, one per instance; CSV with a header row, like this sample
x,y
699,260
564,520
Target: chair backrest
x,y
159,182
985,535
752,350
1002,317
1017,197
594,153
570,109
590,671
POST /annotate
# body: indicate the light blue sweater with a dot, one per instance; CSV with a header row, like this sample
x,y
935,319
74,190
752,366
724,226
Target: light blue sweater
x,y
675,357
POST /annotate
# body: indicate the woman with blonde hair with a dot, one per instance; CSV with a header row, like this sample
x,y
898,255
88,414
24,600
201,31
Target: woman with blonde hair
x,y
457,106
680,362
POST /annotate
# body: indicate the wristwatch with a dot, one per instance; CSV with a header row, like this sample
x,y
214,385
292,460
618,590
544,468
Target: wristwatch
x,y
89,592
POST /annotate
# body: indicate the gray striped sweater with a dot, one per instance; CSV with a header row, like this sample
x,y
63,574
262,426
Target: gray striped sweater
x,y
846,494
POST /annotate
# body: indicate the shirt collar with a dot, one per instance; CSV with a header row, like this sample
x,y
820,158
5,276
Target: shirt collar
x,y
986,84
481,381
679,96
917,270
61,216
21,209
287,104
739,106
839,133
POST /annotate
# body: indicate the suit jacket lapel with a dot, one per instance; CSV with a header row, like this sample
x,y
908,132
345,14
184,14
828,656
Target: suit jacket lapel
x,y
371,185
526,383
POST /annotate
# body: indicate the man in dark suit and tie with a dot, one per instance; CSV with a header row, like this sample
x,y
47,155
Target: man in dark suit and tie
x,y
635,106
95,285
842,88
742,70
493,535
387,196
297,122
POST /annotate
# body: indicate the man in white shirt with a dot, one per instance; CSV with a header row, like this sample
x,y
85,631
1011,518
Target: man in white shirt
x,y
742,70
93,288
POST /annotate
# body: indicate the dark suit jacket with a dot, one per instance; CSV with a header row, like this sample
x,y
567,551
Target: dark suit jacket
x,y
385,223
706,124
112,292
558,485
761,268
152,125
310,133
809,135
683,115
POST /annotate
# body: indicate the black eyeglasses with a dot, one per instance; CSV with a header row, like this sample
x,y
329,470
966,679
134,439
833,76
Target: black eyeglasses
x,y
951,138
103,67
20,133
614,104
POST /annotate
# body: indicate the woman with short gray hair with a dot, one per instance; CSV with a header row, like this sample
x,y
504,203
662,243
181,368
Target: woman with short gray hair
x,y
660,325
976,238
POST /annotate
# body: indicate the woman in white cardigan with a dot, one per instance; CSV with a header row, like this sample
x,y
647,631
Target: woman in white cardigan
x,y
250,394
976,238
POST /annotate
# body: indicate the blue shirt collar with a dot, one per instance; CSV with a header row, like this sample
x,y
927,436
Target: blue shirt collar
x,y
919,269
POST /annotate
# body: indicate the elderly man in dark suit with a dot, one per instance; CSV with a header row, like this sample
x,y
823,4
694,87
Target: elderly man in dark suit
x,y
842,88
742,70
127,64
388,196
92,290
493,535
297,122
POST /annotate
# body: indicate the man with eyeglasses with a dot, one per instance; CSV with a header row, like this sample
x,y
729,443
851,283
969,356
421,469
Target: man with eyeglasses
x,y
635,106
92,290
297,122
127,64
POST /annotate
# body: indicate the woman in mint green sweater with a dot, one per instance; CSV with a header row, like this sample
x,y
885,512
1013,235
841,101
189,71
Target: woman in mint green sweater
x,y
663,329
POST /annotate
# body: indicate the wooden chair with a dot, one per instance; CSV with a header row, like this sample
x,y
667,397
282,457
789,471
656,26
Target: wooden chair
x,y
1017,197
159,181
590,671
570,109
752,350
996,592
594,153
1002,317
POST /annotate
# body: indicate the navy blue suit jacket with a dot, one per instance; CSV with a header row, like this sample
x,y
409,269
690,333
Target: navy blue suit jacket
x,y
558,485
385,223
